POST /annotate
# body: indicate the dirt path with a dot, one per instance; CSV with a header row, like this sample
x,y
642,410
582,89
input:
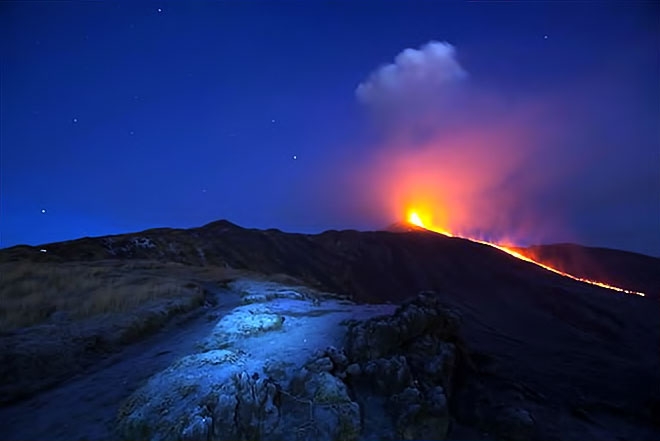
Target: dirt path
x,y
85,406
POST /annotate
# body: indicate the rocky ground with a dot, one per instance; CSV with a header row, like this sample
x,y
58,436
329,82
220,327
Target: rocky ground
x,y
288,367
272,361
268,361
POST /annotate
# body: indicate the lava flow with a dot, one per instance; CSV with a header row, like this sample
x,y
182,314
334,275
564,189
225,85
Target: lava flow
x,y
416,220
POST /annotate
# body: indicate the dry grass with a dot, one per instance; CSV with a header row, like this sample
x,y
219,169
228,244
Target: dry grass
x,y
88,309
31,292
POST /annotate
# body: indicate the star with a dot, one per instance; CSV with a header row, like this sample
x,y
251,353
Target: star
x,y
43,211
272,120
75,120
160,10
295,157
545,37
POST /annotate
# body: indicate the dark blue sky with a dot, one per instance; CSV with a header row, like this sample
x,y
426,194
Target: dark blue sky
x,y
123,116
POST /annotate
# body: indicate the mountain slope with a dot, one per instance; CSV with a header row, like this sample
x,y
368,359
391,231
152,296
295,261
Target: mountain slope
x,y
582,359
370,266
621,268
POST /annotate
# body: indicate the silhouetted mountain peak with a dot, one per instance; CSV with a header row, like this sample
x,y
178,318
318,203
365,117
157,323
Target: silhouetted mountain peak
x,y
222,225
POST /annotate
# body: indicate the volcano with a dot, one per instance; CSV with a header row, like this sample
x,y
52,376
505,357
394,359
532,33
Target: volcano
x,y
535,256
538,355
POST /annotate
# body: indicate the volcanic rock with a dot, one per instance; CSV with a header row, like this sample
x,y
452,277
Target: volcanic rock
x,y
423,316
226,392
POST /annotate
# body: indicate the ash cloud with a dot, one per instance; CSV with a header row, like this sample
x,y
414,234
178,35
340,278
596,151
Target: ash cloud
x,y
504,162
416,76
466,155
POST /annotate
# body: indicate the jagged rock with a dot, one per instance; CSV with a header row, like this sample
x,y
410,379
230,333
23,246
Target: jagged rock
x,y
236,406
328,389
319,386
256,415
405,407
353,370
433,361
224,426
323,364
328,411
338,357
337,423
441,366
419,417
389,375
379,337
406,359
416,334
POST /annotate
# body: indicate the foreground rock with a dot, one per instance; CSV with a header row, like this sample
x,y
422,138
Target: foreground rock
x,y
288,365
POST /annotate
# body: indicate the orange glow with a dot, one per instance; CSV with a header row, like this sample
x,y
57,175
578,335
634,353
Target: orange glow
x,y
415,219
465,181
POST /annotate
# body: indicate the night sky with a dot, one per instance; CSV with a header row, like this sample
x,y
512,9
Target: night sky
x,y
530,123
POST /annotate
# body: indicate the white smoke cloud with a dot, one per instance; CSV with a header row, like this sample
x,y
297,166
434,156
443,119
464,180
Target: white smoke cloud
x,y
417,76
468,156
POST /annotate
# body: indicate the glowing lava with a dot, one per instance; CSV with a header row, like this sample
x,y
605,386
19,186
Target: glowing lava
x,y
415,219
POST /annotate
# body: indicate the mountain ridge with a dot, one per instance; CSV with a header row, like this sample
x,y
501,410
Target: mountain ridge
x,y
224,243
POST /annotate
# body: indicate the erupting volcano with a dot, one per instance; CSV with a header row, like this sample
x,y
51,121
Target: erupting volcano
x,y
415,219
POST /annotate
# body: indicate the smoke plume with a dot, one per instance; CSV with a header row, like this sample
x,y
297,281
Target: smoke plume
x,y
467,159
417,77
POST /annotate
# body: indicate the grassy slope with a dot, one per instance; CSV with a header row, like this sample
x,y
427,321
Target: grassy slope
x,y
59,318
33,292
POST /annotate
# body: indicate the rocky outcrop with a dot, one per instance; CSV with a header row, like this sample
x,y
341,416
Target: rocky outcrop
x,y
404,365
424,317
294,364
381,377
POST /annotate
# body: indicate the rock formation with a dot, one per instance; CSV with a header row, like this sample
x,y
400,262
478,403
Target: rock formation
x,y
386,375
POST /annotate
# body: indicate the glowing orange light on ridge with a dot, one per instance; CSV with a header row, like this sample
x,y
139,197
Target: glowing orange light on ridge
x,y
415,219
